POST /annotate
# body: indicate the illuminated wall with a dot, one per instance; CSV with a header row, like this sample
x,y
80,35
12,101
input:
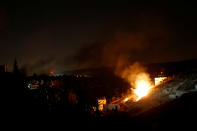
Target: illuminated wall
x,y
159,80
101,102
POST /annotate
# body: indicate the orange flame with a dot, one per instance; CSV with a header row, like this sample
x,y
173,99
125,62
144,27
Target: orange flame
x,y
138,78
142,88
142,85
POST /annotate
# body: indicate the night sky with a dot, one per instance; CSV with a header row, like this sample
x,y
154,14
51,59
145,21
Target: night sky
x,y
63,35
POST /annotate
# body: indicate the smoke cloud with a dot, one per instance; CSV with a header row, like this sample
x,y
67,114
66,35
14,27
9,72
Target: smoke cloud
x,y
133,73
144,41
41,66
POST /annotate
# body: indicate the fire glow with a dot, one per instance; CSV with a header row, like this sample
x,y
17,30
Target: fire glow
x,y
142,89
139,81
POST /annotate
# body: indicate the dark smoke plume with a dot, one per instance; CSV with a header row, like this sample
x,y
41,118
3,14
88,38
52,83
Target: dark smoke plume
x,y
145,41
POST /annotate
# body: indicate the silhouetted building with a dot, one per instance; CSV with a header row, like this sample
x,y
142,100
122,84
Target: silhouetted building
x,y
3,68
15,67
